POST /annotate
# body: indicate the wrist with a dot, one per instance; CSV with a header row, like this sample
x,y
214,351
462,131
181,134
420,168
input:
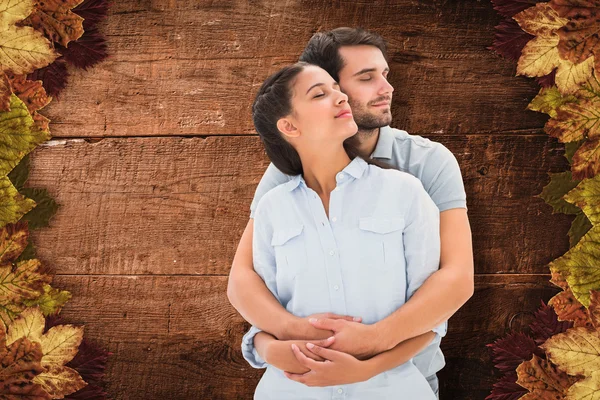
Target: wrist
x,y
290,325
383,339
370,368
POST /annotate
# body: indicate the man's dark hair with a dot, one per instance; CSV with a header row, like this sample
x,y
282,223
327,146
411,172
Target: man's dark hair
x,y
323,47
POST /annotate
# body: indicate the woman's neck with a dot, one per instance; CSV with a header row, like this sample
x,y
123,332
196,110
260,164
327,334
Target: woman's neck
x,y
320,169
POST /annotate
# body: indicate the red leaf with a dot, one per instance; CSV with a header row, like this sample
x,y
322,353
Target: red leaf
x,y
510,39
86,51
513,350
93,11
508,8
547,80
89,392
53,76
546,324
507,388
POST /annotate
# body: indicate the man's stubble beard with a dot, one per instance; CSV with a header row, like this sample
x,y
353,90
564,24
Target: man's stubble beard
x,y
367,123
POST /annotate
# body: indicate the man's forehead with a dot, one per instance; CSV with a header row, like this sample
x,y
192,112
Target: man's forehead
x,y
360,57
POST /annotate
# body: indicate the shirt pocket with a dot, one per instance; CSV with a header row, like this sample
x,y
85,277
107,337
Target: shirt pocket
x,y
290,252
381,244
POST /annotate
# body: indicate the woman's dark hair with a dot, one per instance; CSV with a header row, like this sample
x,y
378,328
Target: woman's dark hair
x,y
272,102
323,47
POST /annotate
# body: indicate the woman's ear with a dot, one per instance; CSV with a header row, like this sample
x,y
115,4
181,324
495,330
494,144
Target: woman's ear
x,y
287,127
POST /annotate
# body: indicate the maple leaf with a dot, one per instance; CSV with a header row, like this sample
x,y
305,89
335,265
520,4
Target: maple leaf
x,y
540,20
560,184
549,99
547,81
569,309
22,48
575,121
32,93
579,227
15,205
507,388
586,161
509,39
586,196
86,51
5,92
594,308
508,8
579,266
54,76
512,350
44,210
546,324
544,380
56,21
59,345
578,38
576,351
588,388
20,362
571,148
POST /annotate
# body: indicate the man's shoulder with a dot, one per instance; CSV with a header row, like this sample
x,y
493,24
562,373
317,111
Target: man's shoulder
x,y
404,138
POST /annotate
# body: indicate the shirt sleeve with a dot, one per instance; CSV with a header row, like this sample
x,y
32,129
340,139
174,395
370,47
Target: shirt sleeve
x,y
264,264
442,179
272,177
422,243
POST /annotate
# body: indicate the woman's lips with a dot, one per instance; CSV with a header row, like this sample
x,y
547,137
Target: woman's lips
x,y
345,115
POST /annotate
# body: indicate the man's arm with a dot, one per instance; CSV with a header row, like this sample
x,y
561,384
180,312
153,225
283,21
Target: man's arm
x,y
444,292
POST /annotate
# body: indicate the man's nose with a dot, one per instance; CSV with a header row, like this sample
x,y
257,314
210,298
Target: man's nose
x,y
386,87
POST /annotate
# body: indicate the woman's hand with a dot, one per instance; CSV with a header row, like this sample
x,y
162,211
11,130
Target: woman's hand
x,y
279,354
339,368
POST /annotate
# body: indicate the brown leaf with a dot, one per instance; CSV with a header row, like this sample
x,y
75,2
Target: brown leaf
x,y
579,38
19,364
594,308
56,21
586,160
5,92
32,93
543,379
568,308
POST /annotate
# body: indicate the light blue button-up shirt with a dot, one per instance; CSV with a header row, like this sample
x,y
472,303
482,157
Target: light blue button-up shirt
x,y
379,243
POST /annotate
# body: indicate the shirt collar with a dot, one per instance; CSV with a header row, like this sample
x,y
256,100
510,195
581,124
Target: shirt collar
x,y
385,143
355,168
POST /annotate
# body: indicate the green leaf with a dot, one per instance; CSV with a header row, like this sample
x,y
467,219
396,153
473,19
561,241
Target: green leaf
x,y
18,135
19,174
579,227
586,195
559,185
548,100
13,205
51,301
571,148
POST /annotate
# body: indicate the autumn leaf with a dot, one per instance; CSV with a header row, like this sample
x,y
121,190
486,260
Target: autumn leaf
x,y
54,76
586,196
24,282
576,351
44,210
508,8
18,135
50,301
575,121
540,20
87,51
594,308
5,92
571,148
506,388
20,362
560,184
578,38
22,48
14,204
30,92
92,11
579,227
546,324
579,266
586,161
509,39
549,99
56,21
543,380
512,350
569,309
588,388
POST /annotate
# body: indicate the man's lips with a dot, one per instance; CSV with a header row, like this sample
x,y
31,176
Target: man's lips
x,y
385,103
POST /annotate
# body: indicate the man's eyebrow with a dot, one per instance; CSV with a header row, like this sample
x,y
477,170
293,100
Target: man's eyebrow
x,y
365,70
320,84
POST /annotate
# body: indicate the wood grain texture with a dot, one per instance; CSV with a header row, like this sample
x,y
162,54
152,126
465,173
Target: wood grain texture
x,y
179,205
179,338
189,68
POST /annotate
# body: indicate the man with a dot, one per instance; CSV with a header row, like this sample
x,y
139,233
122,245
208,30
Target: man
x,y
357,60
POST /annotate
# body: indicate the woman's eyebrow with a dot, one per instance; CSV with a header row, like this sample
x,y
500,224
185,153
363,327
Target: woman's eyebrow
x,y
320,84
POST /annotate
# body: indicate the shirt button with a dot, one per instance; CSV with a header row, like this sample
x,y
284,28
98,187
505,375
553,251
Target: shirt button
x,y
340,390
331,252
336,287
340,176
334,219
337,188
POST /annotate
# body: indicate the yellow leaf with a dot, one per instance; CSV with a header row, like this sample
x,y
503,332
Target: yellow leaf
x,y
579,266
576,351
586,389
569,76
586,160
13,205
540,20
24,282
12,11
60,344
575,121
30,324
543,379
60,381
539,56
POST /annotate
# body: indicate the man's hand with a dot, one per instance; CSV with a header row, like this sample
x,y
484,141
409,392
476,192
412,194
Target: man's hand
x,y
305,331
354,338
338,368
279,354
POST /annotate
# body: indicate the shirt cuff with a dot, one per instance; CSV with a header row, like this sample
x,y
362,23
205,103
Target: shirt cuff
x,y
249,351
441,329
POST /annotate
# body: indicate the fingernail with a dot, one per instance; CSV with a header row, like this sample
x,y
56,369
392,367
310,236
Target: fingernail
x,y
312,320
331,338
294,347
356,318
310,345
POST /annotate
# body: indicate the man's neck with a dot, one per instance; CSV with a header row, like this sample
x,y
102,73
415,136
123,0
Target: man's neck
x,y
367,141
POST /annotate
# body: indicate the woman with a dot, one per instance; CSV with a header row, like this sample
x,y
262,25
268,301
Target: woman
x,y
346,235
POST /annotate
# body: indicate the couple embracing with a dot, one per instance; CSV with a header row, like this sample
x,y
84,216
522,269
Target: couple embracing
x,y
358,248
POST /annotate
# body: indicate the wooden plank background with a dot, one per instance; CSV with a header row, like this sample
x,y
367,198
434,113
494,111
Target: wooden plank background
x,y
154,162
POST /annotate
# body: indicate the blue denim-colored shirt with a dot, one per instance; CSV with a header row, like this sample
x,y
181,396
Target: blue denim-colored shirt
x,y
379,243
